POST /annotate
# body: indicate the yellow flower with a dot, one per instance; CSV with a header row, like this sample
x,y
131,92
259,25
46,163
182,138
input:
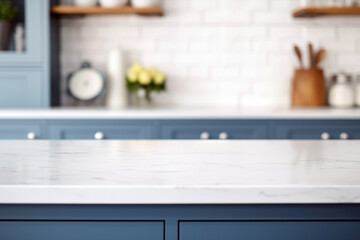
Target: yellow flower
x,y
132,76
144,77
136,68
153,72
159,78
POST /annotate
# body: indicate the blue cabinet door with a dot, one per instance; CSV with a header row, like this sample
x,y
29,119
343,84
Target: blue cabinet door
x,y
18,130
36,41
185,129
314,129
104,129
22,89
291,230
81,230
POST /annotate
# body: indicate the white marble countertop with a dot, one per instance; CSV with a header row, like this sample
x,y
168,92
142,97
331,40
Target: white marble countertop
x,y
182,113
179,172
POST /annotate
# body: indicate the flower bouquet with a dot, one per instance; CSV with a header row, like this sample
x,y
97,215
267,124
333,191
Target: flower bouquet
x,y
145,81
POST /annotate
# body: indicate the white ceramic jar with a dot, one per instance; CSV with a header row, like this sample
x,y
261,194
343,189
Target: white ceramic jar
x,y
85,3
341,93
112,3
146,3
357,91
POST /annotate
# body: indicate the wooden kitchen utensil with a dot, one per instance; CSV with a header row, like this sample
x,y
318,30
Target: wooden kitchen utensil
x,y
309,88
320,57
311,55
299,56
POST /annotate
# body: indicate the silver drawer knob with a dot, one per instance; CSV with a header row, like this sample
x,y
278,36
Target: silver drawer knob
x,y
325,136
31,136
99,136
344,136
223,136
205,136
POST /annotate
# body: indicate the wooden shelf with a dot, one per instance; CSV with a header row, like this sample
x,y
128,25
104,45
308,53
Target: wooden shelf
x,y
71,10
331,11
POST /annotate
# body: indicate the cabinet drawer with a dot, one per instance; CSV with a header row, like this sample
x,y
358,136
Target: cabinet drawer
x,y
107,130
18,130
195,129
314,130
81,230
302,230
22,89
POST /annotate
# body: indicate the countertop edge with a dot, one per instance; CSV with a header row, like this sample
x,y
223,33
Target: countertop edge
x,y
179,194
163,114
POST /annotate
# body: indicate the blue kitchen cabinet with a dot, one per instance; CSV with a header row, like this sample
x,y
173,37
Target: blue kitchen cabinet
x,y
22,89
82,230
18,130
183,129
269,230
316,129
92,129
35,23
180,222
25,76
212,129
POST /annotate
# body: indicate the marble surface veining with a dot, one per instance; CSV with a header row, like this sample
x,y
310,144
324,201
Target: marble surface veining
x,y
179,172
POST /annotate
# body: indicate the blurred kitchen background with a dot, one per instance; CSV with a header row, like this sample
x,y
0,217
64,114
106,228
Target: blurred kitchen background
x,y
215,52
180,69
180,53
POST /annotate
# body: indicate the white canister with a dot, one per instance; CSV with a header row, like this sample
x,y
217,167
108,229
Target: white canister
x,y
116,85
357,91
341,93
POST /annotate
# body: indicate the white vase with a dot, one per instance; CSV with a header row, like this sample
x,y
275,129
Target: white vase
x,y
146,3
112,3
116,85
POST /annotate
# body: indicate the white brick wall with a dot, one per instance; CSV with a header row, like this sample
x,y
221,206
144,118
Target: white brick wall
x,y
215,52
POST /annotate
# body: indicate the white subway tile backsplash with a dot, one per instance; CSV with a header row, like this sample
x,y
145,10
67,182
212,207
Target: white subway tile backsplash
x,y
215,52
243,32
285,4
273,17
177,5
348,45
244,5
316,33
204,4
225,73
227,16
199,71
349,59
172,45
285,33
345,33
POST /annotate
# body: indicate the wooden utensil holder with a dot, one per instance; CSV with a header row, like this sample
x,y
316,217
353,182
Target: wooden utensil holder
x,y
309,89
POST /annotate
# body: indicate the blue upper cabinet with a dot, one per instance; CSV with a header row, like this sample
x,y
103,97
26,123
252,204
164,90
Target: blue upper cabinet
x,y
22,89
25,80
36,40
